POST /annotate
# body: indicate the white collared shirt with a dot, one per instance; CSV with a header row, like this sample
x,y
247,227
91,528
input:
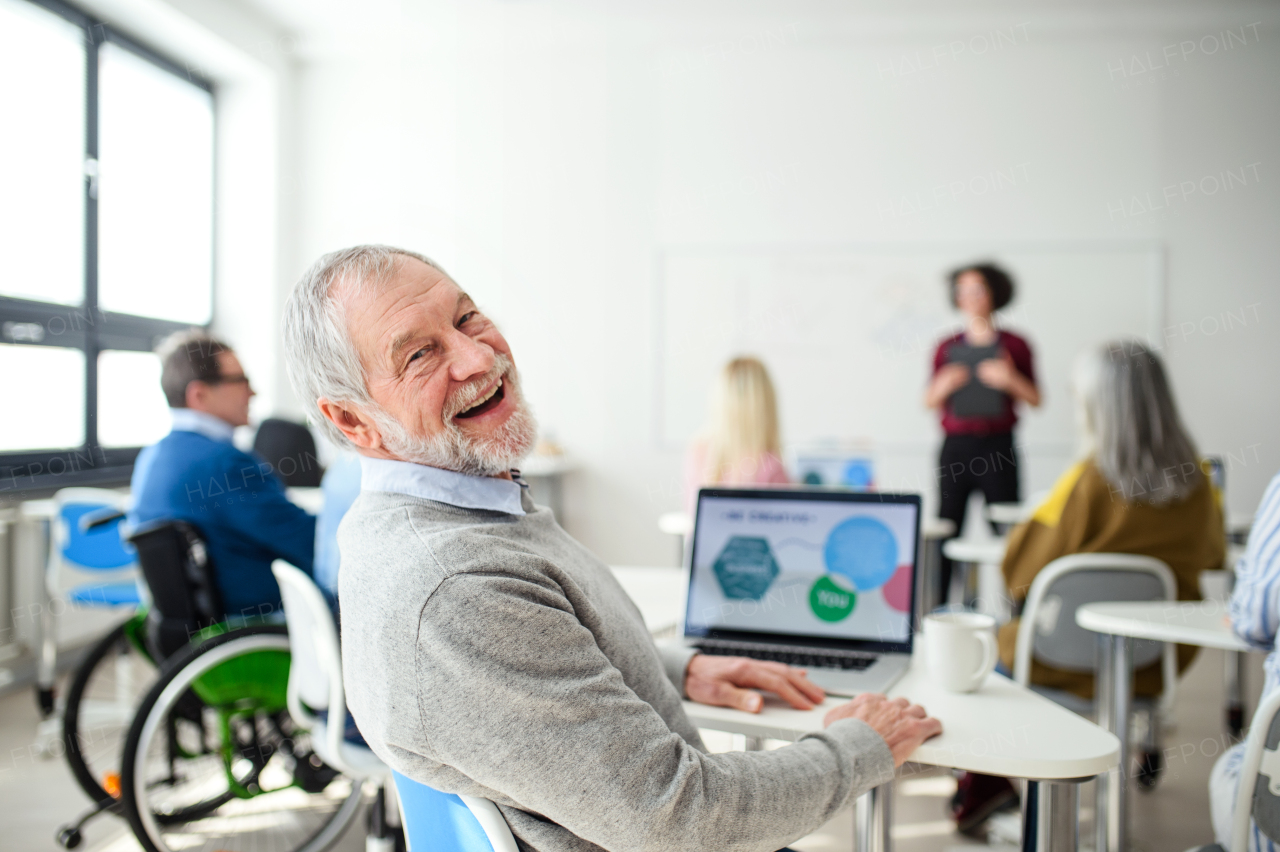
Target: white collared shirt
x,y
202,423
442,486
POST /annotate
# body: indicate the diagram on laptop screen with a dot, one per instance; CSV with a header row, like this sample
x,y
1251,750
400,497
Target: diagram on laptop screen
x,y
801,567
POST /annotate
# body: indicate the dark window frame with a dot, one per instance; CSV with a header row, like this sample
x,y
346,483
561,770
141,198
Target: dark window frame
x,y
86,327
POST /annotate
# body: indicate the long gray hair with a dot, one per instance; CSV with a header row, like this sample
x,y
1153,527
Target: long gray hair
x,y
1131,424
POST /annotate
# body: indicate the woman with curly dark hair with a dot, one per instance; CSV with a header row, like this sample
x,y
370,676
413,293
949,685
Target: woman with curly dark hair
x,y
979,377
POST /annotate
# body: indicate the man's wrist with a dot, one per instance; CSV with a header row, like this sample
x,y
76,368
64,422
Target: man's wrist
x,y
675,661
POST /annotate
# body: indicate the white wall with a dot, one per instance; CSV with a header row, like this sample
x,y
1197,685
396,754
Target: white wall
x,y
548,156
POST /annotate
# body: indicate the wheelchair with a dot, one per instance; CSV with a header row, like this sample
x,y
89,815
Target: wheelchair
x,y
211,758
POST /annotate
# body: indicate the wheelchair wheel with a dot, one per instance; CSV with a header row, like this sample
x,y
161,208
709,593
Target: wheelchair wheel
x,y
212,760
100,704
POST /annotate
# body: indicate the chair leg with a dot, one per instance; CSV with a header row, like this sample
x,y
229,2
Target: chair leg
x,y
1233,676
1152,764
47,665
383,835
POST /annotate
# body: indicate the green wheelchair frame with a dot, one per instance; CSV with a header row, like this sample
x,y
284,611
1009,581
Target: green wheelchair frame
x,y
237,690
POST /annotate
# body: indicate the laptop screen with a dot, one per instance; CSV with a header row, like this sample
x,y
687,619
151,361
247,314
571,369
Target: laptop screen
x,y
838,566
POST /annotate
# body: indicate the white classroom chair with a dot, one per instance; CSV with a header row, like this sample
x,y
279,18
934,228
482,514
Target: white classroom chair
x,y
1258,797
315,684
1048,632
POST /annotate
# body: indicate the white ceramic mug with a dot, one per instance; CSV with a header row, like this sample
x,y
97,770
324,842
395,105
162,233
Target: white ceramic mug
x,y
960,649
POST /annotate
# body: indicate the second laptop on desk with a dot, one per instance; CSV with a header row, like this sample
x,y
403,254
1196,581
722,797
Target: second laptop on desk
x,y
824,580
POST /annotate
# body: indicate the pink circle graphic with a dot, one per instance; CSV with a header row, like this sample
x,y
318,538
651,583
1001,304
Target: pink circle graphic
x,y
897,592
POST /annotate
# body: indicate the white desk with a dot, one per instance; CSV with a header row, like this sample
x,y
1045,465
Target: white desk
x,y
310,499
1117,624
978,551
986,555
1199,623
1008,513
548,472
675,523
935,528
1002,729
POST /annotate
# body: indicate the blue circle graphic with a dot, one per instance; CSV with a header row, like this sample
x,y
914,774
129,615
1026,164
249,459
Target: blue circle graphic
x,y
863,550
857,474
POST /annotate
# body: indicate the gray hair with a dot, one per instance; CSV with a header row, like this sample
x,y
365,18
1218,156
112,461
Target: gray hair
x,y
1132,425
320,358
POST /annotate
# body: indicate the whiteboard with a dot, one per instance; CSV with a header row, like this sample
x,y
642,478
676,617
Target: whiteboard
x,y
848,333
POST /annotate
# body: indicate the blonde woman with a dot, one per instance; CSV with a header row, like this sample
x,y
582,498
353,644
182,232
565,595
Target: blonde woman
x,y
742,446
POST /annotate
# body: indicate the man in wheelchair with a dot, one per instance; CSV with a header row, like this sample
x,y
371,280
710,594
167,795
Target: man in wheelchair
x,y
197,475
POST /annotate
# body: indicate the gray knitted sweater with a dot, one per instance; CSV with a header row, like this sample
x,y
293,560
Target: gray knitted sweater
x,y
491,654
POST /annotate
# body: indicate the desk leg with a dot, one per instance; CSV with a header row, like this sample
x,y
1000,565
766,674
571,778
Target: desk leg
x,y
1050,816
1233,673
1122,698
741,742
1102,703
873,816
47,625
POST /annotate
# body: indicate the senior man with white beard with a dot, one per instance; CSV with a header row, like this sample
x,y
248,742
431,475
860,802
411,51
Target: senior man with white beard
x,y
487,652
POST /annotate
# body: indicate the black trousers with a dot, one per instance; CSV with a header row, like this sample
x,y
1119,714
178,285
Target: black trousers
x,y
968,463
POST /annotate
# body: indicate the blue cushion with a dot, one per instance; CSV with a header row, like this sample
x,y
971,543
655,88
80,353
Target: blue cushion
x,y
106,594
438,822
100,548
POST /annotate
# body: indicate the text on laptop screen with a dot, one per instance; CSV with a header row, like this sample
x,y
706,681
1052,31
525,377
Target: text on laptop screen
x,y
803,567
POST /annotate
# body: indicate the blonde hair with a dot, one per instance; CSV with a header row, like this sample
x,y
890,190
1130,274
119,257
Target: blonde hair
x,y
744,418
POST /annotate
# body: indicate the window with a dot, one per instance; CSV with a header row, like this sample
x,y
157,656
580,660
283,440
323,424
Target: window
x,y
106,227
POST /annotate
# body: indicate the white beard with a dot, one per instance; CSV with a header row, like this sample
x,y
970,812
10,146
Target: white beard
x,y
453,449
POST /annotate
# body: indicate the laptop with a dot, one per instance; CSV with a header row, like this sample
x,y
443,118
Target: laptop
x,y
821,579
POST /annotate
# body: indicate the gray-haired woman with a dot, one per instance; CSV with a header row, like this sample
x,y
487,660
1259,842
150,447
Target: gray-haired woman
x,y
1138,488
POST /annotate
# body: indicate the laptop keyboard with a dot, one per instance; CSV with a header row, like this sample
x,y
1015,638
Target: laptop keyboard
x,y
792,657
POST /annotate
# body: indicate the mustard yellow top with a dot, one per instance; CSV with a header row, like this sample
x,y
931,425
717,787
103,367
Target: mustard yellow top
x,y
1083,514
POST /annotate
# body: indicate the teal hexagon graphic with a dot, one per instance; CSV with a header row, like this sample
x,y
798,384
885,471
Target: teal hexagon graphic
x,y
745,568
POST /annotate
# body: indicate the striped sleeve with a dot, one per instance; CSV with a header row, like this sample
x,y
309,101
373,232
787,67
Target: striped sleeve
x,y
1255,603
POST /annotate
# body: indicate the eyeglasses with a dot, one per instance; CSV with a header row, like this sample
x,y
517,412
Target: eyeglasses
x,y
241,379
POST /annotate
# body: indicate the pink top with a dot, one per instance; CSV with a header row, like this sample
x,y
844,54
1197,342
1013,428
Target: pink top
x,y
766,469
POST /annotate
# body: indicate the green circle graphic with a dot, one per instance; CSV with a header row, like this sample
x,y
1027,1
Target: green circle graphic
x,y
829,601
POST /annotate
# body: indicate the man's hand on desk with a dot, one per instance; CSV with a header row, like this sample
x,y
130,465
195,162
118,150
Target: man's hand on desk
x,y
903,725
730,681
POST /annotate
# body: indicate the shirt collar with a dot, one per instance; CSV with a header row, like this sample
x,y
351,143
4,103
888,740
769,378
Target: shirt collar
x,y
190,420
442,486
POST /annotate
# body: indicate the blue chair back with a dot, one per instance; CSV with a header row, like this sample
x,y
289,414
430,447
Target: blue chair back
x,y
98,549
438,822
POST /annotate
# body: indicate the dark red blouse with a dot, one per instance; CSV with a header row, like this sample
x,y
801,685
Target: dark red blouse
x,y
1020,351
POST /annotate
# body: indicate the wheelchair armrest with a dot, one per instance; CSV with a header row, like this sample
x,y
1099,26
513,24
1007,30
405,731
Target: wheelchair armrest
x,y
100,518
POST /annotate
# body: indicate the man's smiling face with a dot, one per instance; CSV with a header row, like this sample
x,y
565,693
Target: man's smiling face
x,y
440,372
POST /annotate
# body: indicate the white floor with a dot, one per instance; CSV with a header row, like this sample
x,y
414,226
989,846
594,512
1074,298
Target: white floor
x,y
37,795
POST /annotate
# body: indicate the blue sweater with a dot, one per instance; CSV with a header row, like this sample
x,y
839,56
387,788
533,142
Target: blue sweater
x,y
238,504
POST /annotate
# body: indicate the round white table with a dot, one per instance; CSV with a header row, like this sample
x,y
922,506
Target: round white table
x,y
1117,625
986,555
933,528
977,551
1001,729
675,523
1189,623
1008,513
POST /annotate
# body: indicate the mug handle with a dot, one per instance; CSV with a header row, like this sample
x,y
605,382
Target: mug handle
x,y
990,653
